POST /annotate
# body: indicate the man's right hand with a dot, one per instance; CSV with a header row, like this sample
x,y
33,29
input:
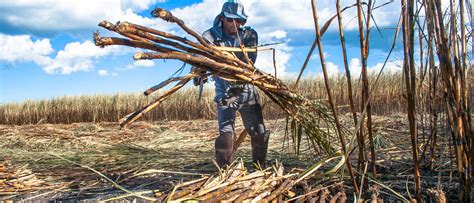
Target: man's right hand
x,y
198,80
230,102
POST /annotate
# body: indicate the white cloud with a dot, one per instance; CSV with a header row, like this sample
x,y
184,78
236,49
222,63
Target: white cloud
x,y
21,48
266,15
271,16
282,56
141,64
139,5
273,19
283,14
75,57
282,53
332,69
103,72
355,67
390,67
72,16
79,57
315,56
199,16
278,34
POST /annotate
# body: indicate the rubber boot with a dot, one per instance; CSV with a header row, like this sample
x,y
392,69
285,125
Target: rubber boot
x,y
259,148
224,147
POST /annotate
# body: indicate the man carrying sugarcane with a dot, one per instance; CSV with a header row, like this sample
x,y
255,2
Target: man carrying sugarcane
x,y
228,31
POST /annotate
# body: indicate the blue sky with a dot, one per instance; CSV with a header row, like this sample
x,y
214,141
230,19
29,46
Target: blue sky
x,y
46,49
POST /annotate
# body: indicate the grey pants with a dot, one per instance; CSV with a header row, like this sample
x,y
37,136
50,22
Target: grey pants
x,y
252,117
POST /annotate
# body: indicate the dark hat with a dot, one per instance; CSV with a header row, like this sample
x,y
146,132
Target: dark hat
x,y
233,9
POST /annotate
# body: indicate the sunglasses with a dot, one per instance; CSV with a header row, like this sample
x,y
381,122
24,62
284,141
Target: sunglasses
x,y
236,20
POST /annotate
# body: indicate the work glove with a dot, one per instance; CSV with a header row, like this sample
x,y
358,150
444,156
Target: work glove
x,y
235,90
198,80
230,102
231,97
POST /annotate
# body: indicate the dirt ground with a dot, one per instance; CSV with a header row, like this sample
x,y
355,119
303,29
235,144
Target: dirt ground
x,y
63,158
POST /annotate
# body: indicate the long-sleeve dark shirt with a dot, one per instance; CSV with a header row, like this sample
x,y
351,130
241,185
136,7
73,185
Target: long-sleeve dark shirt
x,y
217,37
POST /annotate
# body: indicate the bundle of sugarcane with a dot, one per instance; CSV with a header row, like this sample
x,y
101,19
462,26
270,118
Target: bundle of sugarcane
x,y
211,60
235,184
14,180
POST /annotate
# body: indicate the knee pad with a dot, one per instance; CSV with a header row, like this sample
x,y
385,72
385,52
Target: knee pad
x,y
225,141
224,149
258,130
261,138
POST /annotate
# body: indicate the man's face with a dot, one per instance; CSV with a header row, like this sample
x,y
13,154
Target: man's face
x,y
231,25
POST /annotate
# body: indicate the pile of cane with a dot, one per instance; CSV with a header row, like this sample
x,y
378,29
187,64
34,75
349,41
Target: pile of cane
x,y
14,180
306,116
235,184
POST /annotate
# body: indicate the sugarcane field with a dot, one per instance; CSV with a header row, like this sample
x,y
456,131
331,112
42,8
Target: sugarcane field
x,y
236,101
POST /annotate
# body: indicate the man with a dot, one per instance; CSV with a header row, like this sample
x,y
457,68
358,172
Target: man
x,y
230,96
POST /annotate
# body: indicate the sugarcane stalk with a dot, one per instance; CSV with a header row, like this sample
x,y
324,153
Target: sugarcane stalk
x,y
274,62
313,46
361,141
268,184
433,82
437,195
216,66
142,56
134,116
343,198
215,53
328,90
107,41
165,83
410,84
218,63
202,62
335,197
287,184
356,133
239,141
259,198
187,188
346,64
218,52
217,195
127,28
467,98
323,196
454,107
168,36
227,197
109,26
167,16
422,72
433,112
366,90
206,190
243,195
